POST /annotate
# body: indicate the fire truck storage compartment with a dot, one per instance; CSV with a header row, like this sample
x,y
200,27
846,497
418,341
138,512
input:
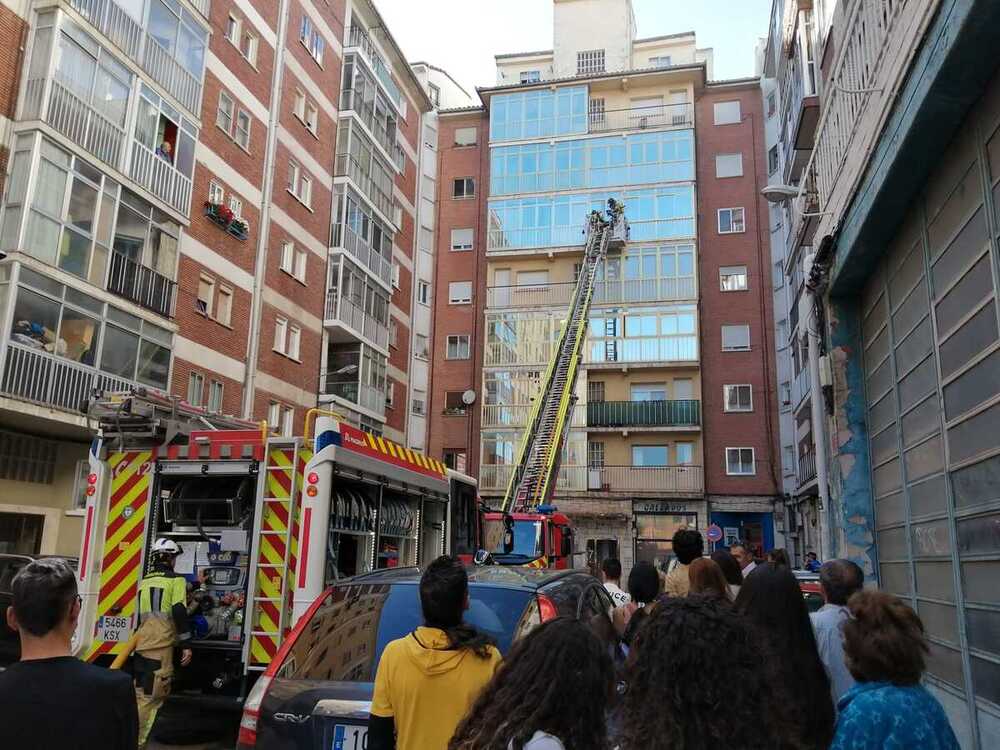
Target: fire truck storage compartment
x,y
397,527
198,504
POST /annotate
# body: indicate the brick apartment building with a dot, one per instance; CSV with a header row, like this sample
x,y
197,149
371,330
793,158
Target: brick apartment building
x,y
216,198
672,425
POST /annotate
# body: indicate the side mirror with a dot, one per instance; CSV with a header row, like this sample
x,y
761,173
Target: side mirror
x,y
508,535
483,557
567,542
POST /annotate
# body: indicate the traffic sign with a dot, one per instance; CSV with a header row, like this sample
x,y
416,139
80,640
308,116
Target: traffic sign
x,y
713,533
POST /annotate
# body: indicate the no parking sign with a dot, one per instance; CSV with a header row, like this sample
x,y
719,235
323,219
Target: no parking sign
x,y
713,533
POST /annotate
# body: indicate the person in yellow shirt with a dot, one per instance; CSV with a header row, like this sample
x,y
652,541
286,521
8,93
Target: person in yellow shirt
x,y
428,680
688,546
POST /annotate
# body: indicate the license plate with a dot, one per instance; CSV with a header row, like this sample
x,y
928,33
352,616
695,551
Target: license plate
x,y
350,737
114,629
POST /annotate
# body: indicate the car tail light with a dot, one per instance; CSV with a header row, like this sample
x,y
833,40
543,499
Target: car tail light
x,y
546,608
251,712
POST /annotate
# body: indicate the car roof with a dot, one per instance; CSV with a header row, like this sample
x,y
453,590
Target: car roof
x,y
507,576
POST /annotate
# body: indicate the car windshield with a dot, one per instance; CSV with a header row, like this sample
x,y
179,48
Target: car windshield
x,y
348,633
527,538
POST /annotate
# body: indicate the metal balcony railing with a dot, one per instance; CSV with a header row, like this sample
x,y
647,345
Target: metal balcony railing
x,y
516,415
160,178
807,467
125,32
141,285
680,413
526,352
353,392
42,378
497,476
357,36
657,117
377,263
348,166
659,479
203,6
530,295
342,310
500,240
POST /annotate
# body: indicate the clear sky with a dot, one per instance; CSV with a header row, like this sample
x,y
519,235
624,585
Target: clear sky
x,y
462,36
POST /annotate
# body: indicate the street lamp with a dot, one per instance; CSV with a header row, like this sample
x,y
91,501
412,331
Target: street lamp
x,y
779,193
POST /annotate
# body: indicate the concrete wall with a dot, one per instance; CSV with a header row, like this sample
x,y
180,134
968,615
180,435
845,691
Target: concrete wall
x,y
582,25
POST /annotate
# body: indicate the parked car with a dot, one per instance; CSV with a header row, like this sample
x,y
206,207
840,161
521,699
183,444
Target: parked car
x,y
10,564
317,691
811,590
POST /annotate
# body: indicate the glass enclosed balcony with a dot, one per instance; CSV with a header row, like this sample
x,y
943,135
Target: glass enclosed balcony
x,y
355,306
358,159
357,37
363,235
362,96
356,376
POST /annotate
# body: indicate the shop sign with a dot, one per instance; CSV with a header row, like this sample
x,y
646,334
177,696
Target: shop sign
x,y
659,506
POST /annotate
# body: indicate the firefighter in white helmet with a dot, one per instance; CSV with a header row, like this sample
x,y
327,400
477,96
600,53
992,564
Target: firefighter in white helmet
x,y
163,624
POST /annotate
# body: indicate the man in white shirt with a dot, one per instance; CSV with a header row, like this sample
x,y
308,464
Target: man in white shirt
x,y
744,557
611,574
839,579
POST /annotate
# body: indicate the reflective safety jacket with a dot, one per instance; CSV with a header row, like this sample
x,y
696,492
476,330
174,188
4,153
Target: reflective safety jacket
x,y
163,601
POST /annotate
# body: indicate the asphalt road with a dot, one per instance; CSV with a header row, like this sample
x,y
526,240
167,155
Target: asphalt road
x,y
185,727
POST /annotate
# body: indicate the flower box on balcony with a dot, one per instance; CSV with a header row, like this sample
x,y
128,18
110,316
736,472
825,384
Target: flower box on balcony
x,y
225,218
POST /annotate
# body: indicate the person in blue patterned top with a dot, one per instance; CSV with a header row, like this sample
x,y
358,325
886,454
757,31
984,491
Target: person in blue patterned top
x,y
885,648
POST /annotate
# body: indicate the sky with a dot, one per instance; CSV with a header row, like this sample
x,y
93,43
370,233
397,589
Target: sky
x,y
462,36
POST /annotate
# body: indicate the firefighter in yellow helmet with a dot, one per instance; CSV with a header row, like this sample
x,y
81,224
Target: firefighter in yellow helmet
x,y
163,624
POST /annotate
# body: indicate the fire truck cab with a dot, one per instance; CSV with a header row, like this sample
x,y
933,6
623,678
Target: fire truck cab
x,y
542,538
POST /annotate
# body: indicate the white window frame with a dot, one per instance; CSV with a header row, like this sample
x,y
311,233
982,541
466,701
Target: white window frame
x,y
225,113
466,181
241,135
395,275
736,349
216,194
736,225
591,61
80,485
205,306
721,114
393,333
280,334
196,388
287,420
236,206
773,160
465,142
729,172
249,54
223,310
312,117
216,392
294,346
677,453
456,340
459,299
234,30
421,346
660,61
423,292
287,261
274,416
529,76
299,104
739,462
459,245
421,400
301,265
736,387
390,395
728,272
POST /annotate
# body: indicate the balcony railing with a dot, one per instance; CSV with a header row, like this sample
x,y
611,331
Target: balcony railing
x,y
117,25
496,476
357,37
342,310
364,396
807,467
527,352
685,479
516,415
43,378
160,178
377,263
530,295
141,285
650,349
500,240
348,166
657,117
605,292
203,6
75,119
802,387
680,413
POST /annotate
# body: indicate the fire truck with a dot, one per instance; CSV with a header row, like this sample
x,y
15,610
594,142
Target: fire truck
x,y
527,528
265,524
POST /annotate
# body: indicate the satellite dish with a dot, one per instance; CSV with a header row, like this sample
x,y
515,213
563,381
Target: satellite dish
x,y
469,397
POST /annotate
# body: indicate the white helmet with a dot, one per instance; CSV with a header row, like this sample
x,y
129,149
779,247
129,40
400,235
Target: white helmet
x,y
163,546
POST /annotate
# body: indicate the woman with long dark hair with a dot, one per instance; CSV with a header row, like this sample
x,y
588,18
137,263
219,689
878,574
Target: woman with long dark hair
x,y
550,693
730,569
772,601
694,681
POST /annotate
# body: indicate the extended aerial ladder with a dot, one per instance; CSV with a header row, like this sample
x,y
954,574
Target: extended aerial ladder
x,y
537,467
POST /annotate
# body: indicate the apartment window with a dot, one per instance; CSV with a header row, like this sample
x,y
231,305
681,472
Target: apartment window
x,y
461,239
738,397
453,403
287,420
299,183
772,160
731,221
772,104
274,416
196,388
236,206
312,118
390,395
233,26
393,333
294,342
683,389
424,292
660,61
727,113
395,275
224,305
80,485
779,275
419,405
206,294
590,61
310,37
420,348
454,459
648,392
729,165
435,94
595,454
249,48
226,111
280,334
215,390
740,461
464,187
293,261
466,136
595,391
736,338
299,105
650,455
460,292
530,76
733,278
459,347
684,453
215,193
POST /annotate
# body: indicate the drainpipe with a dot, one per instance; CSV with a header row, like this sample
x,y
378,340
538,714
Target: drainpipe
x,y
263,235
817,417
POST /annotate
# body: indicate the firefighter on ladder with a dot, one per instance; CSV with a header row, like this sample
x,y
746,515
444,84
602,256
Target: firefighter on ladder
x,y
163,624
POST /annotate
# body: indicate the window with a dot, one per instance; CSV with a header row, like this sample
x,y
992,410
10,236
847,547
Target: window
x,y
196,388
420,348
736,338
772,103
737,397
595,391
530,76
729,165
224,305
731,221
390,395
460,292
287,420
215,389
464,187
740,461
236,206
733,278
274,416
233,26
648,392
305,190
287,263
424,292
310,37
454,459
595,454
466,136
683,389
312,118
419,405
661,61
453,403
649,455
280,334
80,483
393,333
684,452
294,342
206,294
299,105
224,117
590,61
435,94
248,48
215,193
779,275
538,113
772,160
727,113
461,239
459,347
299,183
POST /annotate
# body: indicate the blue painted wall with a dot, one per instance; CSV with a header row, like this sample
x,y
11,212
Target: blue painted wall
x,y
766,520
